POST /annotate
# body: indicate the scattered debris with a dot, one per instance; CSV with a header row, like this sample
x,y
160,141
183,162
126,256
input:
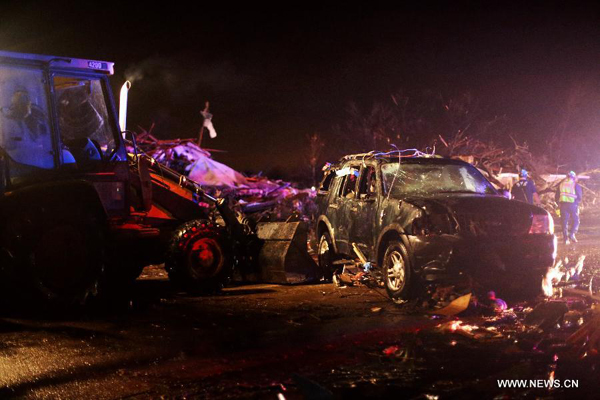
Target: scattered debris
x,y
455,307
353,274
563,268
469,330
588,336
546,315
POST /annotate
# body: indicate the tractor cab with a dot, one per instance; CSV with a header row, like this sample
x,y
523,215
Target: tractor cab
x,y
58,122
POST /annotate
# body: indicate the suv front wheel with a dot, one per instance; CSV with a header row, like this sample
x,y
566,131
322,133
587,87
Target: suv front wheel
x,y
396,271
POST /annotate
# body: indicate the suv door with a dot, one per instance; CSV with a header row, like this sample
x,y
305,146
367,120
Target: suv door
x,y
364,211
338,207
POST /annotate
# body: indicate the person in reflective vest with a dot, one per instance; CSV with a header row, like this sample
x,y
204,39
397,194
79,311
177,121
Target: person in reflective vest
x,y
569,196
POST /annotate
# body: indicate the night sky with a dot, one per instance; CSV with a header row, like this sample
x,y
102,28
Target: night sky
x,y
273,75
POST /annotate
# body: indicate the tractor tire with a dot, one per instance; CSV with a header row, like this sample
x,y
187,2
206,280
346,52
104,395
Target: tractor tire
x,y
397,272
199,259
57,256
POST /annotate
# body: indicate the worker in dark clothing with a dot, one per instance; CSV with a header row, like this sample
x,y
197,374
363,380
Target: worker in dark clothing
x,y
569,196
524,190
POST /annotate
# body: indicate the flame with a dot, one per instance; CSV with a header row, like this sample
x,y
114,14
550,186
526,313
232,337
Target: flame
x,y
455,325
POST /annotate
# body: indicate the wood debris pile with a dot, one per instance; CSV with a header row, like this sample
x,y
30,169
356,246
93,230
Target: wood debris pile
x,y
501,166
268,200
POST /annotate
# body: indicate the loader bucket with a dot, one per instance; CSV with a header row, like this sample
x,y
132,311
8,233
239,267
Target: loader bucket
x,y
283,257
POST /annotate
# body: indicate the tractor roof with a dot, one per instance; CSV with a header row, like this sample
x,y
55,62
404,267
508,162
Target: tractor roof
x,y
59,62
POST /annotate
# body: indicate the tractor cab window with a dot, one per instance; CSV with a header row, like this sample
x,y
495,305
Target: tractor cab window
x,y
25,139
86,131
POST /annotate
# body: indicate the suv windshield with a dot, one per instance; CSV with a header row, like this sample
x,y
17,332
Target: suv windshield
x,y
406,179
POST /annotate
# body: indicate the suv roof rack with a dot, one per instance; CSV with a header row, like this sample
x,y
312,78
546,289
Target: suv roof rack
x,y
404,153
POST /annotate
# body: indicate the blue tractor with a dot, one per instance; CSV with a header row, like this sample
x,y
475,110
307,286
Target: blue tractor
x,y
79,212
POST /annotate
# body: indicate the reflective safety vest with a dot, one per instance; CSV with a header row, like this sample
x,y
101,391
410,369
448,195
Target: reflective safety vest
x,y
567,192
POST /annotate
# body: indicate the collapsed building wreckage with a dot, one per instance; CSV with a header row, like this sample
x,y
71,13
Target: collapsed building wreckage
x,y
266,199
501,166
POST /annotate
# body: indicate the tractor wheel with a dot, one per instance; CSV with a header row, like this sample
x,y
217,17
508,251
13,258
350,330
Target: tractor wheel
x,y
57,256
199,259
326,256
396,272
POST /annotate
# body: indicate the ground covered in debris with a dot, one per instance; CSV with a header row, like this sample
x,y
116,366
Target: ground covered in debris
x,y
313,341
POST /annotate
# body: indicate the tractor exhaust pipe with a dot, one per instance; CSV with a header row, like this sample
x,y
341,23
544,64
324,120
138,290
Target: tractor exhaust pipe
x,y
123,106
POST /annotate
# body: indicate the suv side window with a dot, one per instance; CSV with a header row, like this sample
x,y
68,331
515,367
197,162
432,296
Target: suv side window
x,y
367,188
326,182
350,178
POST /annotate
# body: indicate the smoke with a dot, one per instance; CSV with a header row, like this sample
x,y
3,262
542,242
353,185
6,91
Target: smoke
x,y
134,74
183,76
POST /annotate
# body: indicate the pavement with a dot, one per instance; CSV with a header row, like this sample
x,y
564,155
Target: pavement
x,y
273,342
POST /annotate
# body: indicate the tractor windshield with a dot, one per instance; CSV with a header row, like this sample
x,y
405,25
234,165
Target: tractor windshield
x,y
86,132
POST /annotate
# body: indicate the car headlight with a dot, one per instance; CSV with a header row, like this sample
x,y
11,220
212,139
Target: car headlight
x,y
434,224
542,224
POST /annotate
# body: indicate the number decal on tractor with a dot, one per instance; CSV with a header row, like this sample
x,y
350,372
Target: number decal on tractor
x,y
96,65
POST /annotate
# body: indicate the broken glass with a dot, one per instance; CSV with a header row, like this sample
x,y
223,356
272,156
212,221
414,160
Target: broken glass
x,y
425,179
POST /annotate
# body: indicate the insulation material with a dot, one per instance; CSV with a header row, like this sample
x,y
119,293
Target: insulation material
x,y
209,172
272,200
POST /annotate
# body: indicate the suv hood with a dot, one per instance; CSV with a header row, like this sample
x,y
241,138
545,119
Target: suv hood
x,y
480,214
473,203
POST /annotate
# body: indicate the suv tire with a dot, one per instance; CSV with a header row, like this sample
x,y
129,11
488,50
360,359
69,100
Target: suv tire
x,y
396,271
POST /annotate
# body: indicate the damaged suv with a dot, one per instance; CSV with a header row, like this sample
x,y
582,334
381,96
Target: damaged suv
x,y
422,220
